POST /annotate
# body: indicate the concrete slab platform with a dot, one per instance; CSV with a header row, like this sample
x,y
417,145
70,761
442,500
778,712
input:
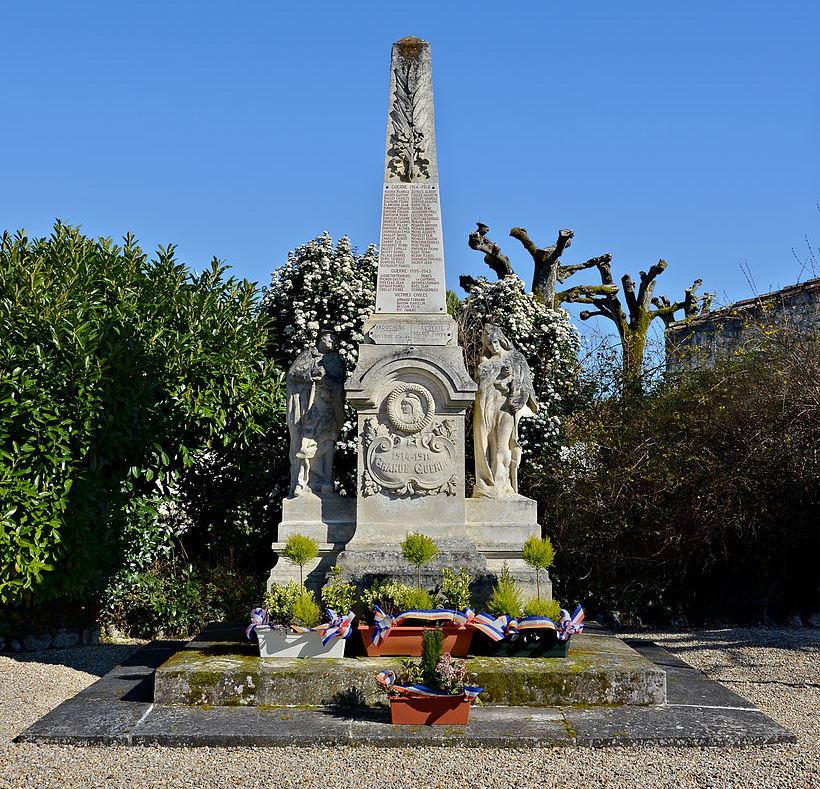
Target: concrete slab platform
x,y
117,709
599,669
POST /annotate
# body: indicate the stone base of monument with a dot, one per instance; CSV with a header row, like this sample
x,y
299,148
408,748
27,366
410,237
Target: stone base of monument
x,y
363,564
329,519
217,669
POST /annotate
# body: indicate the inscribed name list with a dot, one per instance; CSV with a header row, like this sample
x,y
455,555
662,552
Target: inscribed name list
x,y
411,253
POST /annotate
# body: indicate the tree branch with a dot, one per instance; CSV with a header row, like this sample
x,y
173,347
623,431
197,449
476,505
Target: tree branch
x,y
648,283
583,294
564,272
467,282
493,256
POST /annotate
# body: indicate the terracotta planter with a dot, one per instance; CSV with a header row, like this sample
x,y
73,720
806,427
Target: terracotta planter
x,y
430,710
405,641
275,643
542,644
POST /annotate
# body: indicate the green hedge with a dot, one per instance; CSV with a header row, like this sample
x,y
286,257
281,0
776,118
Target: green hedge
x,y
701,498
118,374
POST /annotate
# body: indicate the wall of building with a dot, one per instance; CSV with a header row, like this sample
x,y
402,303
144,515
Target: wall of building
x,y
696,343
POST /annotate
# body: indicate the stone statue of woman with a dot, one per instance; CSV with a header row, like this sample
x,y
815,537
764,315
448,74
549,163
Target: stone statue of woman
x,y
505,396
315,390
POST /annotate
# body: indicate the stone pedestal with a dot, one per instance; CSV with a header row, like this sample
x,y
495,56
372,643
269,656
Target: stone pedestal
x,y
411,401
499,528
329,519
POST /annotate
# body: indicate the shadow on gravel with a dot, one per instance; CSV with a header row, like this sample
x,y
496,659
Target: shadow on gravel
x,y
789,639
97,660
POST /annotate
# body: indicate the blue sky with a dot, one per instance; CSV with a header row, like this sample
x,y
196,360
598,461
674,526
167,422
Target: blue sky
x,y
684,131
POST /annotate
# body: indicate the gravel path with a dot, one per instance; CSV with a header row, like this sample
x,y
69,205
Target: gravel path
x,y
778,670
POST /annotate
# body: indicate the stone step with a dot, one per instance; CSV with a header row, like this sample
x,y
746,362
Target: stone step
x,y
599,670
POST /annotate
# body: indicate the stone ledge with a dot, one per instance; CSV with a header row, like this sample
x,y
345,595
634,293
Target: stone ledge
x,y
599,670
117,710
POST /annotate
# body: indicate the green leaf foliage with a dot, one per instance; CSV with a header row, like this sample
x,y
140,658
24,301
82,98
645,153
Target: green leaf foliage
x,y
393,598
280,600
538,553
506,596
700,497
432,640
418,549
300,549
118,375
455,589
537,607
305,610
337,595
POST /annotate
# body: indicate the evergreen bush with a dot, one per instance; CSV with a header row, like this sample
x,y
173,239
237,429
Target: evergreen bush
x,y
118,374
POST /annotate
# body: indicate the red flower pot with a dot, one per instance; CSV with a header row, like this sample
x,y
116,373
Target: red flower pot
x,y
430,710
405,641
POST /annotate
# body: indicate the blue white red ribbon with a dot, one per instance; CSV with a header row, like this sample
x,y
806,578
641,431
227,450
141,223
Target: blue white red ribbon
x,y
259,616
387,679
337,627
383,623
486,623
570,625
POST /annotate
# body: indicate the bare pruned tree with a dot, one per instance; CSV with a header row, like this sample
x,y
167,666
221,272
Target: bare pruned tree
x,y
632,322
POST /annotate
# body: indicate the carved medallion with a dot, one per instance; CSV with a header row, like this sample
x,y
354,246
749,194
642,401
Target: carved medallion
x,y
410,408
416,465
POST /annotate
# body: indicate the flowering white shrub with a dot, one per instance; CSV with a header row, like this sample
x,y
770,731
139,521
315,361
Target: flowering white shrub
x,y
547,339
322,285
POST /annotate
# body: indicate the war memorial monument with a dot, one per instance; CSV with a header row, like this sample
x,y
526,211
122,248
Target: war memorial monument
x,y
411,391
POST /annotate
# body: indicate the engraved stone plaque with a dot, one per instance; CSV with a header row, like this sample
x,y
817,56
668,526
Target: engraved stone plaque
x,y
417,333
422,464
411,254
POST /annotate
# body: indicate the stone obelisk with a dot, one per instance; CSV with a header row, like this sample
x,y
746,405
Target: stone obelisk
x,y
411,387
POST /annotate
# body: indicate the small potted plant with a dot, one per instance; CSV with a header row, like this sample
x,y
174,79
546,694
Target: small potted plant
x,y
431,692
289,624
399,615
537,628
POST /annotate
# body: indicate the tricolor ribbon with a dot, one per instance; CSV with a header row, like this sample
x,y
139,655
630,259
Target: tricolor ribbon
x,y
570,624
259,617
383,623
486,623
337,627
387,679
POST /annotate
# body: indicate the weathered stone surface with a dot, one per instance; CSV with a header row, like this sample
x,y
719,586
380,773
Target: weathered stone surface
x,y
685,684
673,726
598,670
328,518
241,727
116,710
210,676
499,528
500,727
63,639
411,250
34,642
90,635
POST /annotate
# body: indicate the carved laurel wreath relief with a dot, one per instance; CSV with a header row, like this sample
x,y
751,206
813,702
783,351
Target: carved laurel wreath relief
x,y
418,458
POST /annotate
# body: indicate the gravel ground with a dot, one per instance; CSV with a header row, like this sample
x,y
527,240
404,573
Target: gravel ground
x,y
778,670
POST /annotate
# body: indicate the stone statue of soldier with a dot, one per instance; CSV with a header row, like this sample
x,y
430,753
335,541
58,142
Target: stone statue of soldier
x,y
315,391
